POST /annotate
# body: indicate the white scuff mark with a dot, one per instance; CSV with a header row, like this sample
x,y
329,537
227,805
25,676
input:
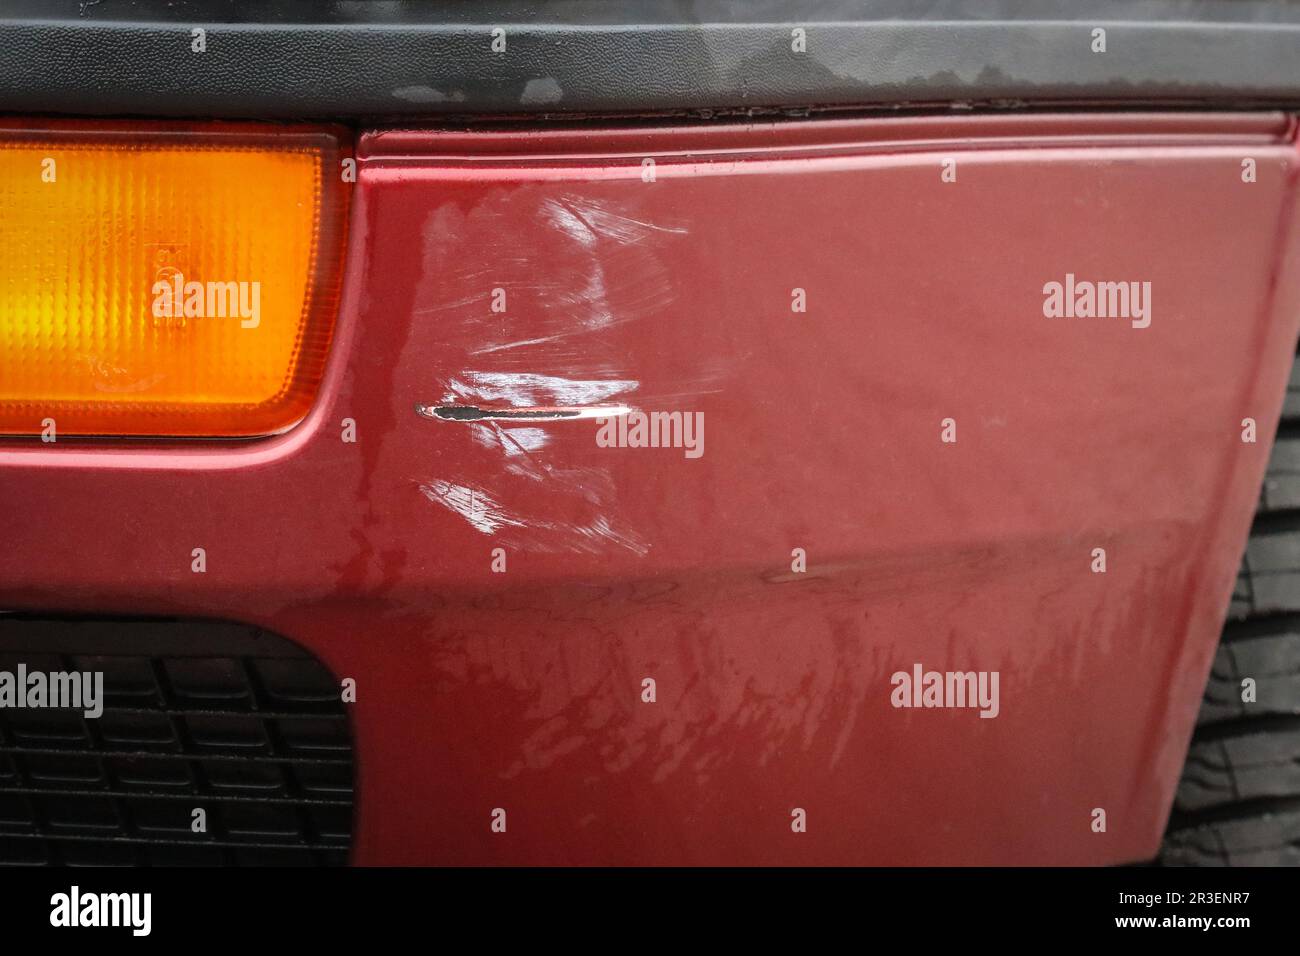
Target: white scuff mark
x,y
586,222
427,94
526,468
522,343
601,320
472,504
457,304
603,269
599,531
593,295
590,538
512,441
592,485
584,269
541,91
563,217
115,379
626,228
530,390
487,516
519,414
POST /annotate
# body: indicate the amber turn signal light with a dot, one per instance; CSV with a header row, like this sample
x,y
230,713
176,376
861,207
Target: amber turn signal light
x,y
166,280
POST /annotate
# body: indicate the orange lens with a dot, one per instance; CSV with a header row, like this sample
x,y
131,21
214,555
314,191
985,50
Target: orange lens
x,y
159,281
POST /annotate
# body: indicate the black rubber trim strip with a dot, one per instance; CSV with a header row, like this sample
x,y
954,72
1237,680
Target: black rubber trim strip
x,y
376,59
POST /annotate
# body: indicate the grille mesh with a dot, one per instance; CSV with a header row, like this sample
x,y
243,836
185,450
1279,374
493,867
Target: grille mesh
x,y
222,717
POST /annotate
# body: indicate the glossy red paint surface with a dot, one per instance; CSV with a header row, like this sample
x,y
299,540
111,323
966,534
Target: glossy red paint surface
x,y
522,690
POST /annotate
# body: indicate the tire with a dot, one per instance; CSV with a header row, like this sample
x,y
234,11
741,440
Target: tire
x,y
1238,801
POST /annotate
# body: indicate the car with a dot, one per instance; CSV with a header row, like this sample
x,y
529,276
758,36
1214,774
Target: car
x,y
566,434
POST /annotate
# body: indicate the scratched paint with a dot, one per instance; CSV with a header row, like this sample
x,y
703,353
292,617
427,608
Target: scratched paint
x,y
488,516
510,441
474,505
580,269
530,530
527,389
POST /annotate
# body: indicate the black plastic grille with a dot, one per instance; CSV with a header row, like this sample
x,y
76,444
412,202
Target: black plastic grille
x,y
223,717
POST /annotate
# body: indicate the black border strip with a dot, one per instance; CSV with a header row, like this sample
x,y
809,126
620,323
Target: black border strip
x,y
385,59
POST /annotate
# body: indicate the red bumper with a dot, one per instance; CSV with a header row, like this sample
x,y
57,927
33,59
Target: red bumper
x,y
669,287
